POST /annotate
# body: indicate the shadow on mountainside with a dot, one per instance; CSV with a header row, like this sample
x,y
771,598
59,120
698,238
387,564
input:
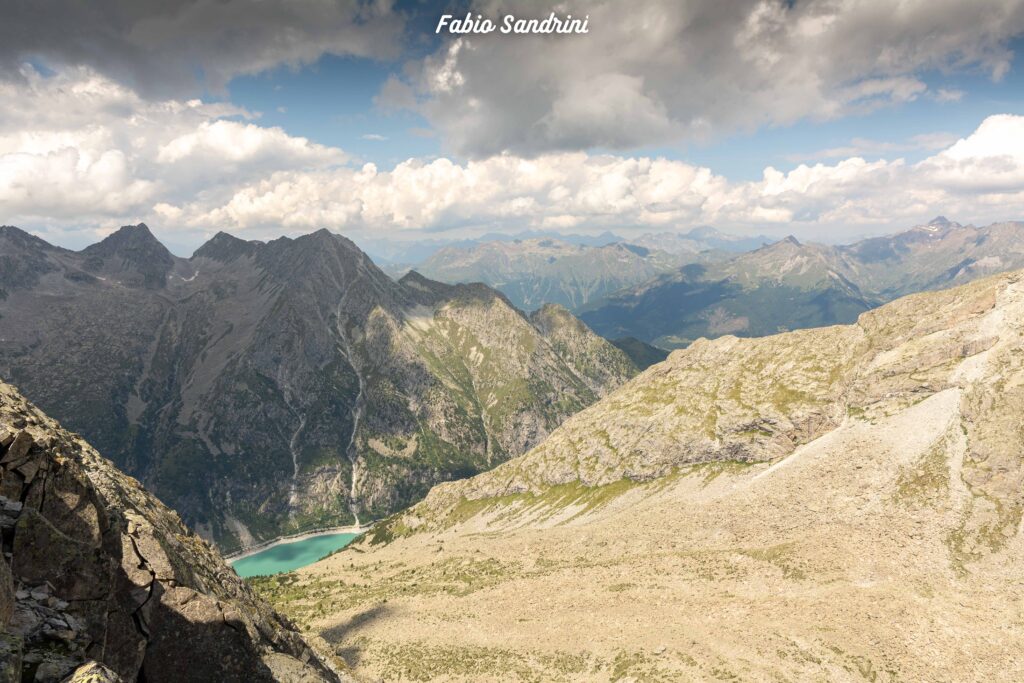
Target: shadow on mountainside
x,y
337,634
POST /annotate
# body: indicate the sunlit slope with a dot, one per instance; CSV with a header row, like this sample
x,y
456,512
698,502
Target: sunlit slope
x,y
834,504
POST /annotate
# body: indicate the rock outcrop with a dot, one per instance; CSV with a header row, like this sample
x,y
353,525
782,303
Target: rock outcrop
x,y
99,581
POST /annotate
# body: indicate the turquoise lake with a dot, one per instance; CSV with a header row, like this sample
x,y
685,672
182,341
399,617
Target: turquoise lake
x,y
292,555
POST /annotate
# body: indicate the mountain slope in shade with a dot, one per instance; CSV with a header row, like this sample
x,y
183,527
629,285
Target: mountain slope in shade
x,y
785,285
642,354
533,272
841,503
789,285
98,577
263,388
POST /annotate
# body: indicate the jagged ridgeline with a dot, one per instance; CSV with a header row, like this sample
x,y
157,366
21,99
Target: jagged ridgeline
x,y
261,388
101,582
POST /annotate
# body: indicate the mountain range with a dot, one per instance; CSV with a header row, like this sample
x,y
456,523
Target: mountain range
x,y
265,388
573,270
841,503
533,272
791,285
398,256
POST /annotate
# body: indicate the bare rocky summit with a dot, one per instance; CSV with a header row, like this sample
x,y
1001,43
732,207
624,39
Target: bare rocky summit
x,y
99,581
839,504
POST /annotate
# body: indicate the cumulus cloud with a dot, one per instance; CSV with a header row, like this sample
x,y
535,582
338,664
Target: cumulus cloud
x,y
868,147
79,146
161,46
657,71
980,178
95,154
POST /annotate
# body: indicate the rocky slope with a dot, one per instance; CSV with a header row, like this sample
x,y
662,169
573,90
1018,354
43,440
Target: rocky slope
x,y
641,353
842,503
98,576
533,272
263,388
789,285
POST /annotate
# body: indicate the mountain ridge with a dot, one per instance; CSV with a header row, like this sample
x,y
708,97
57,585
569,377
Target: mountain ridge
x,y
790,284
309,386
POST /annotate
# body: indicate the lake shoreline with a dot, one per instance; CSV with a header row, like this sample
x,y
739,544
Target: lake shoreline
x,y
295,538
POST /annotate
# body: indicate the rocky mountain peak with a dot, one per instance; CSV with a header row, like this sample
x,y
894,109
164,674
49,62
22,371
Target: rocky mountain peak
x,y
133,255
23,259
225,247
16,238
128,239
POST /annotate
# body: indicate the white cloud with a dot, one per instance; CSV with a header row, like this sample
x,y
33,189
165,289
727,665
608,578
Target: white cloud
x,y
96,155
373,137
948,95
658,71
990,161
978,178
231,142
868,147
78,146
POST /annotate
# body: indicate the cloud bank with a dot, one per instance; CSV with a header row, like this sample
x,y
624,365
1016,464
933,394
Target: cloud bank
x,y
662,71
77,149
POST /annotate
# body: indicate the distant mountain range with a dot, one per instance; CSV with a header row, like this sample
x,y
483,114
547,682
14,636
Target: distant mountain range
x,y
262,388
791,285
398,256
533,272
576,271
704,238
394,255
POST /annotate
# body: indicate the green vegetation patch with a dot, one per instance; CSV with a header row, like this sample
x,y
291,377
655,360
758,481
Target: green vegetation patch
x,y
548,503
419,661
928,478
715,468
781,557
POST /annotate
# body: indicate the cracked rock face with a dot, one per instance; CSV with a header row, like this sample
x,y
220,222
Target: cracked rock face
x,y
99,581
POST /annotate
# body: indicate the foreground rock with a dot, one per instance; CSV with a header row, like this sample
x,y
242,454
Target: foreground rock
x,y
99,581
838,504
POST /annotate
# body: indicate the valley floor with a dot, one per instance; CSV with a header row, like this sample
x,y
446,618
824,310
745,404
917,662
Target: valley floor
x,y
846,561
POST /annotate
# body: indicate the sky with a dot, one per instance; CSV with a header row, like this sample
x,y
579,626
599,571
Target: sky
x,y
826,119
